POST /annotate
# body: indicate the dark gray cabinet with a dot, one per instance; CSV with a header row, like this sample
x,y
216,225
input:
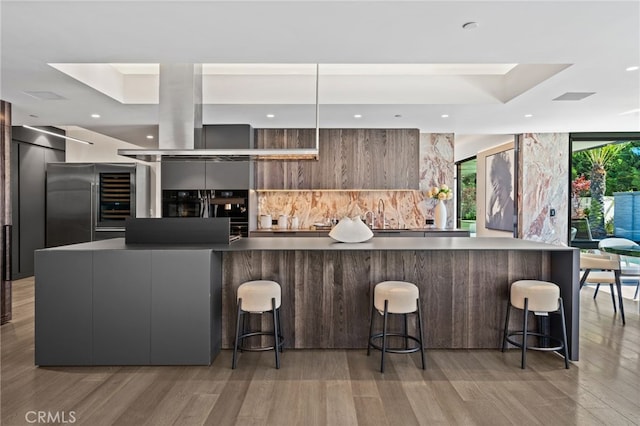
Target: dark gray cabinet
x,y
228,175
205,175
178,337
213,174
228,136
121,307
30,153
63,308
128,307
183,175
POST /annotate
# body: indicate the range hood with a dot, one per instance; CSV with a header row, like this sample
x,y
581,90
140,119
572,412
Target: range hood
x,y
180,125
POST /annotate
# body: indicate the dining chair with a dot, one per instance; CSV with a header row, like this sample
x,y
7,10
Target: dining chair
x,y
603,269
629,266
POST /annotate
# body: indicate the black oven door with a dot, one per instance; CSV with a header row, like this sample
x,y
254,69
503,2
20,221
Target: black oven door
x,y
181,203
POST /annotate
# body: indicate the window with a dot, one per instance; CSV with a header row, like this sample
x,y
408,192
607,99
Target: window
x,y
466,198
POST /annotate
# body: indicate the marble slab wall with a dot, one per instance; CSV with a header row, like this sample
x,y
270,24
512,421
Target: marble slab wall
x,y
544,185
437,167
402,209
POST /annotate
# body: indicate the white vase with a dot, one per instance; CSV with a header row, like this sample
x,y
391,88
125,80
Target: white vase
x,y
351,231
440,215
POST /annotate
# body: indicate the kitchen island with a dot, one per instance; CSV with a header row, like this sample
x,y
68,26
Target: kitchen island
x,y
113,303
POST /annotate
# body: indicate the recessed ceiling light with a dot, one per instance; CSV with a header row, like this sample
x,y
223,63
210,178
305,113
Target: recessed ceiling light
x,y
470,25
357,116
270,115
634,68
398,115
528,115
95,115
445,116
149,136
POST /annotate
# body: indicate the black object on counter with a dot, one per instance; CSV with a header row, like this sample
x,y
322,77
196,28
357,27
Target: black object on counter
x,y
173,230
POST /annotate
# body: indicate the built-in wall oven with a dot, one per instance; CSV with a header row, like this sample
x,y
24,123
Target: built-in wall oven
x,y
231,203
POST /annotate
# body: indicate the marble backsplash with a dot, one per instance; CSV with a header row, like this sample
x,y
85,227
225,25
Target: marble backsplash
x,y
402,208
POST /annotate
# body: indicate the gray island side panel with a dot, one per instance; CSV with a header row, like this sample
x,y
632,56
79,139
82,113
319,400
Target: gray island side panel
x,y
185,295
63,308
121,307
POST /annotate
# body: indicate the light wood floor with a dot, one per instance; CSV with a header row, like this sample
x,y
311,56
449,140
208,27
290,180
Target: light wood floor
x,y
338,387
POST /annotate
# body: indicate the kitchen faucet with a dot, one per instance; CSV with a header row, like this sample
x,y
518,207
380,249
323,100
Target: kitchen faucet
x,y
373,219
381,214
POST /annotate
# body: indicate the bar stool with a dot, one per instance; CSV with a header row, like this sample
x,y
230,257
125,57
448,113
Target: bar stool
x,y
541,298
258,297
395,297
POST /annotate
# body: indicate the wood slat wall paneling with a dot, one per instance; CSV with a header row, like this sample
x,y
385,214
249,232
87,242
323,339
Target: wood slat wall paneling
x,y
326,295
349,159
487,301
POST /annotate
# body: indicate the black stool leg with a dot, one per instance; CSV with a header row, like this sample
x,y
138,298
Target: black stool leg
x,y
274,311
235,345
373,311
384,335
524,333
564,334
506,326
420,331
281,332
595,293
613,298
406,330
243,328
619,288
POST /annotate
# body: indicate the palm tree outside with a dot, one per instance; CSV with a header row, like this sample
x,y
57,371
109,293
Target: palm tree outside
x,y
600,158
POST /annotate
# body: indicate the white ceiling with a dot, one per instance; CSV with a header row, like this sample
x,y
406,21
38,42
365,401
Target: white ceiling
x,y
587,45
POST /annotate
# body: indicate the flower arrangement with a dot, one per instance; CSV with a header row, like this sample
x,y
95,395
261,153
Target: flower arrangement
x,y
440,193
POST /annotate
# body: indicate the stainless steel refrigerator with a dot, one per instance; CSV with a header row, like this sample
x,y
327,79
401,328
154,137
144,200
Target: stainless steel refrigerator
x,y
91,201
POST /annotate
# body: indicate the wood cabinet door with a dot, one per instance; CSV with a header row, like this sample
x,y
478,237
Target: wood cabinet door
x,y
349,159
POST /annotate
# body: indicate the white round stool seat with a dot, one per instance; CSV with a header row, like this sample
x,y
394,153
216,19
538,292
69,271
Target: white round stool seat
x,y
543,296
402,297
256,295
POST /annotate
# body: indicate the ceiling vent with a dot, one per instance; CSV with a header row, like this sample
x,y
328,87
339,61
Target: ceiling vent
x,y
574,96
43,95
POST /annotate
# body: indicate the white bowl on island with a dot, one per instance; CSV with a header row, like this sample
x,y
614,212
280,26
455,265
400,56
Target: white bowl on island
x,y
351,231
